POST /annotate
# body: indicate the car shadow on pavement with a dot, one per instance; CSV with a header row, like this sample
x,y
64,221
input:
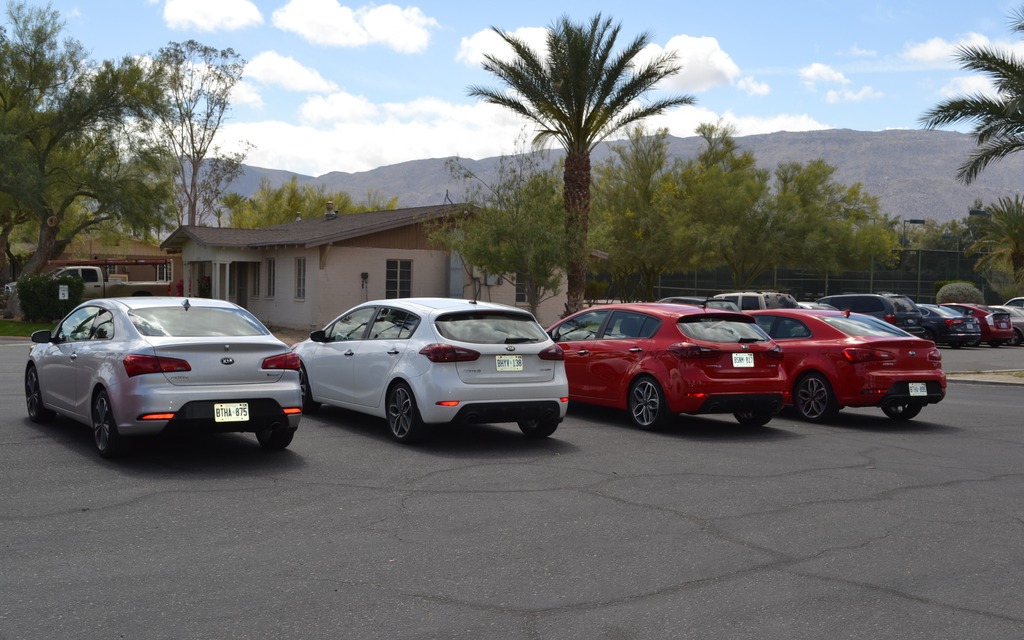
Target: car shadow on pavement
x,y
220,452
719,428
869,420
451,439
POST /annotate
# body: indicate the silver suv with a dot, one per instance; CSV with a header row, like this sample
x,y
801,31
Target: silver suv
x,y
750,300
892,307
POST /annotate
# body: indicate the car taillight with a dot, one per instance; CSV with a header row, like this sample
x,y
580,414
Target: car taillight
x,y
437,352
934,355
951,322
289,361
554,352
860,354
690,351
137,365
890,318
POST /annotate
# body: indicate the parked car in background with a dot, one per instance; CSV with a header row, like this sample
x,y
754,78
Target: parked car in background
x,y
748,300
419,362
896,309
147,365
949,326
996,328
815,305
1014,302
659,360
1016,321
697,301
837,359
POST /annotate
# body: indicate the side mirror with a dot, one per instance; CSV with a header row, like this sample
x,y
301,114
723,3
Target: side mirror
x,y
42,336
318,336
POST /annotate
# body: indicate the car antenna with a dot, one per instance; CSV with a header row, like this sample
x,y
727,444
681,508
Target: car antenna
x,y
186,304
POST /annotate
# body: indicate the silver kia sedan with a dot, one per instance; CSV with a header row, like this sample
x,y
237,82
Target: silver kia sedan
x,y
424,361
146,365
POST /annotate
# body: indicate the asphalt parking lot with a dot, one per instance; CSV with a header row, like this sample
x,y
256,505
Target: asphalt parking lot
x,y
864,528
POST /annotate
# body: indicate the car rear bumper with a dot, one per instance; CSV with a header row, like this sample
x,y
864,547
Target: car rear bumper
x,y
740,402
484,412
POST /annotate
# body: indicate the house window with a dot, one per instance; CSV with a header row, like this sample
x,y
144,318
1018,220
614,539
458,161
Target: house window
x,y
163,272
300,278
255,291
521,288
398,280
271,276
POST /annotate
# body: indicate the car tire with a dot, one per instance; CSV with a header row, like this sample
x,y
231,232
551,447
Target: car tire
x,y
995,344
538,428
814,399
1018,338
275,439
34,398
903,410
309,405
648,407
956,345
404,421
754,417
109,442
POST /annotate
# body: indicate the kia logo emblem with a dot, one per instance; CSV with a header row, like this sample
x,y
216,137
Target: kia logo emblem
x,y
510,348
227,361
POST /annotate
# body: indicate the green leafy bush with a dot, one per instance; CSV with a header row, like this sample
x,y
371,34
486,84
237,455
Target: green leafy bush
x,y
960,292
39,297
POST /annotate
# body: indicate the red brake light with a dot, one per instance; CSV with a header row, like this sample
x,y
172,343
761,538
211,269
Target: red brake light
x,y
858,354
689,351
437,352
934,355
289,361
136,365
890,318
554,352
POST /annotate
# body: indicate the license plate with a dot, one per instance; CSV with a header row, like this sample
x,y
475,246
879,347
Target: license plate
x,y
231,412
742,359
918,389
509,363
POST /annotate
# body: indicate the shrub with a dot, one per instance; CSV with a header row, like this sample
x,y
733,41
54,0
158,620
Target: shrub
x,y
960,292
39,297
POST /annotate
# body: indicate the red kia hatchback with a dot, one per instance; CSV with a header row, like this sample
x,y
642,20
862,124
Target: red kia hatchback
x,y
837,359
658,360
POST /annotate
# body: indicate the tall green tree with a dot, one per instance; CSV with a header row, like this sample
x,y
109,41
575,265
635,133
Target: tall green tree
x,y
998,120
508,233
632,218
199,80
74,149
578,92
277,205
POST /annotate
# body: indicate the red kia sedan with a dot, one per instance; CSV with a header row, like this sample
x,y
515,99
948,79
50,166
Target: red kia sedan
x,y
658,360
837,359
996,327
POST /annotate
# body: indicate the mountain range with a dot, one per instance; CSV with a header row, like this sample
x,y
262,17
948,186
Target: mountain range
x,y
911,172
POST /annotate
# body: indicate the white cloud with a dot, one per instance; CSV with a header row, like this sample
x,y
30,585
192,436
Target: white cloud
x,y
968,86
338,107
472,49
244,93
818,73
846,95
704,64
329,23
857,52
270,67
211,15
752,87
683,122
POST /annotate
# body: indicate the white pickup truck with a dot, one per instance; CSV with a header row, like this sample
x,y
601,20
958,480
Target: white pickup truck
x,y
99,284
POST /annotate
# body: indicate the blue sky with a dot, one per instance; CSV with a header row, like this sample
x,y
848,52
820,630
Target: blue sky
x,y
334,86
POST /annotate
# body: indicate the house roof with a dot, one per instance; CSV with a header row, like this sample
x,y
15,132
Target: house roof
x,y
310,232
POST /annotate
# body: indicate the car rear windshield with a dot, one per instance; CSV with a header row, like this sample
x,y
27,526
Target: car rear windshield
x,y
864,326
902,304
490,327
711,329
195,322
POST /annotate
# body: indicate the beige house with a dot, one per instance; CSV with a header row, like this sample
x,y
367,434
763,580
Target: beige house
x,y
303,274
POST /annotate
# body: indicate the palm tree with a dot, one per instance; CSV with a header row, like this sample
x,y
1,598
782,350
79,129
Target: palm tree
x,y
579,93
1001,240
999,119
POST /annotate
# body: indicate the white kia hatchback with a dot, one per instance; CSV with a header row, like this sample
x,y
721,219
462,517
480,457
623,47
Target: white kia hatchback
x,y
423,361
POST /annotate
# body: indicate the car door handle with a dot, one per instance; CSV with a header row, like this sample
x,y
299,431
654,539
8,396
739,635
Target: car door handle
x,y
583,352
635,350
74,356
393,352
349,353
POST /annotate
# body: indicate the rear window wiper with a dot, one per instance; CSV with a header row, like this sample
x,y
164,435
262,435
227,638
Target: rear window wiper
x,y
511,340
